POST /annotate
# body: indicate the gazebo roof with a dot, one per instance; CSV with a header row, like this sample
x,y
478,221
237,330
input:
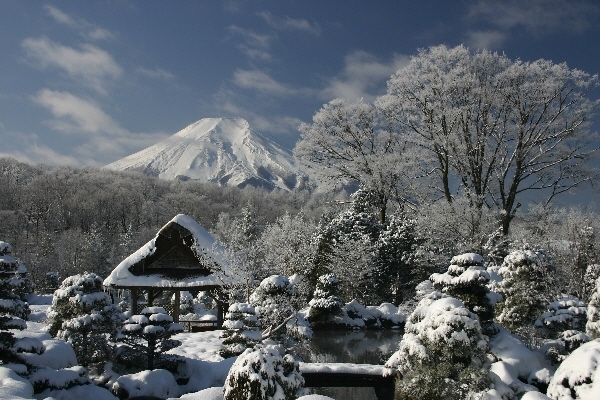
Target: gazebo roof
x,y
181,255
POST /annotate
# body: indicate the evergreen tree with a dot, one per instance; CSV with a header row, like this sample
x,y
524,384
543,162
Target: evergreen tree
x,y
442,352
14,272
83,315
13,312
277,303
240,330
325,302
263,374
523,289
466,280
146,338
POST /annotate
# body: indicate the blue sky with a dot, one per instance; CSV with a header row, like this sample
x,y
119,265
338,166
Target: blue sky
x,y
89,82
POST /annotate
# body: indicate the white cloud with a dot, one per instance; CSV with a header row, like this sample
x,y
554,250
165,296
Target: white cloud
x,y
362,75
74,114
254,45
490,40
101,138
83,27
290,24
537,16
156,73
260,81
91,65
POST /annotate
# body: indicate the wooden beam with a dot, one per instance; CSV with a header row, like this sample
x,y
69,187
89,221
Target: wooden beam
x,y
176,305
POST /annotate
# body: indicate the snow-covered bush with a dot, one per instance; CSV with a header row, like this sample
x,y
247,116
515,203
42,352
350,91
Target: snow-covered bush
x,y
522,289
593,313
240,330
159,383
578,377
442,353
14,272
564,314
592,273
263,374
146,338
276,302
466,280
83,315
325,302
12,311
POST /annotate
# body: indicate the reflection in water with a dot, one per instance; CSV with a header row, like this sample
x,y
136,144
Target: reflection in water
x,y
359,347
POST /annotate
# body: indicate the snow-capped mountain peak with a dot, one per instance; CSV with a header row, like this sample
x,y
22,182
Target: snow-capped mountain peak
x,y
221,150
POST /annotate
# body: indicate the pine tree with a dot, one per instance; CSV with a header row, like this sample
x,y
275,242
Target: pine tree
x,y
240,330
442,353
263,374
325,302
277,303
523,289
83,315
147,337
466,280
13,312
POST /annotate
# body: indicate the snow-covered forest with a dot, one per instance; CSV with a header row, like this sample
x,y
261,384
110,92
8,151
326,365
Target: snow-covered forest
x,y
498,295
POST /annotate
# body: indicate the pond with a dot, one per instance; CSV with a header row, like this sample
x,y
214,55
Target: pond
x,y
359,347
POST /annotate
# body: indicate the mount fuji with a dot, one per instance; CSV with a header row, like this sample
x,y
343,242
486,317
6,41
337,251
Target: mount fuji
x,y
220,150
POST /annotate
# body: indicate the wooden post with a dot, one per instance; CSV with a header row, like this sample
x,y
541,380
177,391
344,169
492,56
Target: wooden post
x,y
150,298
134,301
176,305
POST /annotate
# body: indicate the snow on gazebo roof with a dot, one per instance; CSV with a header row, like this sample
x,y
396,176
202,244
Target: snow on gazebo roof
x,y
213,263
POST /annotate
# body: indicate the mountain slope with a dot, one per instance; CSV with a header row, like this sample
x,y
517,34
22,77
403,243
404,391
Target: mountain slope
x,y
221,150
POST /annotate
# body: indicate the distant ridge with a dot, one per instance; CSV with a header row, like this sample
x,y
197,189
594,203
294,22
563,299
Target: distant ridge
x,y
220,150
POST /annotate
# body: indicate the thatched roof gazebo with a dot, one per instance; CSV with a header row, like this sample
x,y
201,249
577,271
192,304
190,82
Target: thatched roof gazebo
x,y
183,256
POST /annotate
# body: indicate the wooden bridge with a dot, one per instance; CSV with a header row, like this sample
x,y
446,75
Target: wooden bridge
x,y
349,375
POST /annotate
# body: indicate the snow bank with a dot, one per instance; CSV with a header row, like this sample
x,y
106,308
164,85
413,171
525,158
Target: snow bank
x,y
159,383
58,354
578,377
77,393
12,386
508,348
213,393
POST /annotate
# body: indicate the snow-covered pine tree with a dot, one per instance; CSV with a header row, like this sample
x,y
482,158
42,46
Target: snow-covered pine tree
x,y
14,272
276,302
396,270
466,279
241,330
442,352
592,326
82,314
10,346
592,273
325,302
13,312
263,374
146,338
523,290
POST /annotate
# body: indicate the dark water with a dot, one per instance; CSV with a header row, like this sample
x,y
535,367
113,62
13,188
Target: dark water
x,y
358,347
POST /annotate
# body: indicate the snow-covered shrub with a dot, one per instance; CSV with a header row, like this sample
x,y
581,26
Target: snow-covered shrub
x,y
466,280
263,374
325,301
240,330
14,272
522,289
13,312
593,313
592,273
566,313
442,353
83,315
276,302
45,378
186,303
578,377
159,383
146,338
